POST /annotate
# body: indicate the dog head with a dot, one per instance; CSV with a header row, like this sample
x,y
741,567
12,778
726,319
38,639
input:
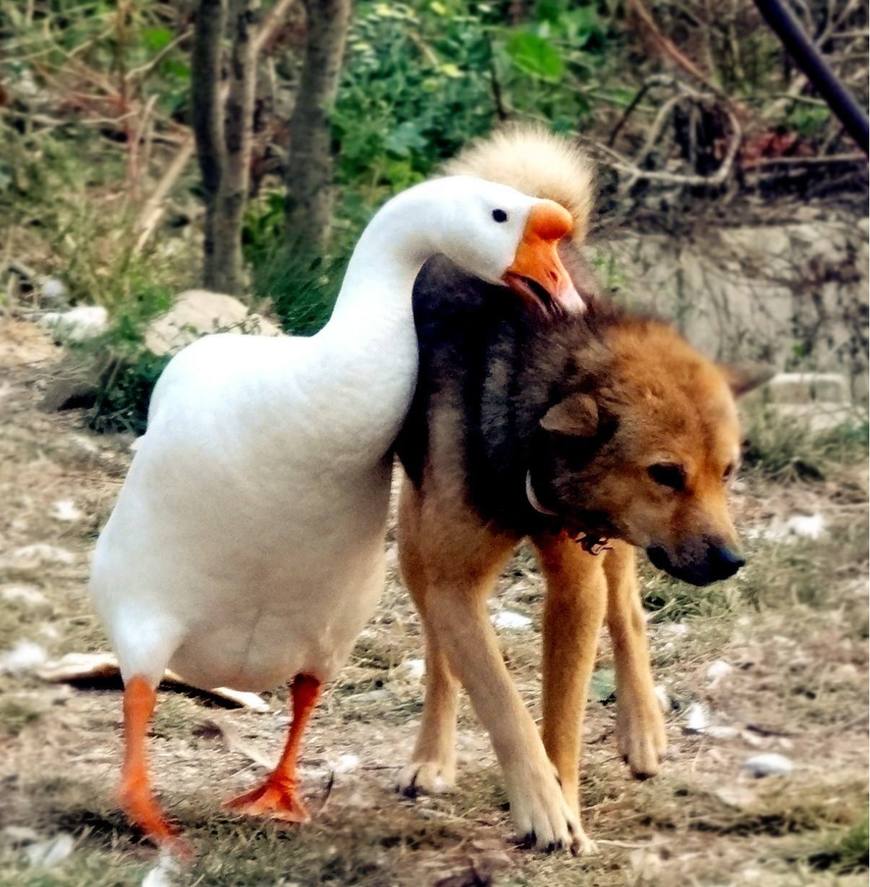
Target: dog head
x,y
641,447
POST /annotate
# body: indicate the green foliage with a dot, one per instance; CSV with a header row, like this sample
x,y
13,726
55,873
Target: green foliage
x,y
845,853
422,78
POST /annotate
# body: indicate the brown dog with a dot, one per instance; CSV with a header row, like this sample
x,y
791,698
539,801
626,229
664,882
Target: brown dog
x,y
605,428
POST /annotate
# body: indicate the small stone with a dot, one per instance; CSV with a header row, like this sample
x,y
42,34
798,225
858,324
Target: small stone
x,y
412,669
717,671
346,764
78,324
23,593
697,718
737,796
52,852
65,510
721,732
24,656
768,764
511,621
18,835
39,554
53,291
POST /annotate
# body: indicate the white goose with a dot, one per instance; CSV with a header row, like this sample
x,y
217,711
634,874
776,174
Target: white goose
x,y
246,547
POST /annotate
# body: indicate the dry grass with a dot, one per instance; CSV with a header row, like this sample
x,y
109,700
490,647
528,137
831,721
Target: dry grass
x,y
793,625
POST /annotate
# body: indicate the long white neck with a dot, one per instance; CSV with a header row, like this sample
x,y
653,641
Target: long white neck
x,y
366,355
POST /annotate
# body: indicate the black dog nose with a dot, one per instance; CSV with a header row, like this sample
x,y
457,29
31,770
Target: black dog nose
x,y
722,562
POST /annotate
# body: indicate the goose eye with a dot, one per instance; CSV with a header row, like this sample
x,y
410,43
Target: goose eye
x,y
668,475
499,215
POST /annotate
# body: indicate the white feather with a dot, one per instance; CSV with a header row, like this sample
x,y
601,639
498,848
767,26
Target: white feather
x,y
247,542
534,161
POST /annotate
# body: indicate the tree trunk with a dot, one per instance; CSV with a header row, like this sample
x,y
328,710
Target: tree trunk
x,y
208,125
238,123
223,136
309,167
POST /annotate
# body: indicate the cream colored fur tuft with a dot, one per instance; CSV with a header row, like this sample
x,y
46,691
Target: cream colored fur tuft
x,y
536,162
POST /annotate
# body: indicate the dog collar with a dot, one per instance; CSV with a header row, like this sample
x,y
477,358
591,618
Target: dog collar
x,y
534,501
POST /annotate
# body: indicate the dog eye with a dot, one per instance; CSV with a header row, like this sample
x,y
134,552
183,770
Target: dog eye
x,y
729,472
668,475
499,215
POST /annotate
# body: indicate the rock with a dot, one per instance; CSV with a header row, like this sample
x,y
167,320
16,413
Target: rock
x,y
412,669
738,796
697,718
16,835
39,554
47,854
66,510
798,526
720,731
53,291
717,671
24,656
511,621
345,764
78,324
768,764
804,388
197,313
24,593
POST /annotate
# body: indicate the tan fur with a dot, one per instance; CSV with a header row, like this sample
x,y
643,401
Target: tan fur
x,y
536,162
673,405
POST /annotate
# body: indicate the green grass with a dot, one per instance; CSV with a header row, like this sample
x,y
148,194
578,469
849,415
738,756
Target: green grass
x,y
784,449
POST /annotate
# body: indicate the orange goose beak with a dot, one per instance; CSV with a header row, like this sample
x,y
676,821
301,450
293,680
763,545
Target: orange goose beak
x,y
537,273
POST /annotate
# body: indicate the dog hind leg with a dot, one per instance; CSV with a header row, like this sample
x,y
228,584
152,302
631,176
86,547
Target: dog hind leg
x,y
433,763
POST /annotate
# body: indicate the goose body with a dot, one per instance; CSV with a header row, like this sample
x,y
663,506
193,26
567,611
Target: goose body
x,y
246,546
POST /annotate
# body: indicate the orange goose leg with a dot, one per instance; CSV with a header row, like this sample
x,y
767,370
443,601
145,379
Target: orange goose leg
x,y
137,798
277,797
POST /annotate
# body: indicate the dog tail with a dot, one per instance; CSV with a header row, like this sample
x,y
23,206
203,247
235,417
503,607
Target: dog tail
x,y
536,162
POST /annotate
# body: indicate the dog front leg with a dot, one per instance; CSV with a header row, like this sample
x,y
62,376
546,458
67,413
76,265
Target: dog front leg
x,y
541,814
573,615
640,726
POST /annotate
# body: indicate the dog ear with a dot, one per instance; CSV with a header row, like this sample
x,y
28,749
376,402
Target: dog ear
x,y
743,378
576,415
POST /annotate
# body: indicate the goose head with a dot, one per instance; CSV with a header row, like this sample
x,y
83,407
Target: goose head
x,y
506,237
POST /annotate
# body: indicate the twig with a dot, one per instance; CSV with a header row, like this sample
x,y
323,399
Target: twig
x,y
831,159
669,48
154,207
646,86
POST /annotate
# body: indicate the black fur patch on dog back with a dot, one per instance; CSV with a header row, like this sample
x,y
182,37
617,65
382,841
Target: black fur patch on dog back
x,y
500,366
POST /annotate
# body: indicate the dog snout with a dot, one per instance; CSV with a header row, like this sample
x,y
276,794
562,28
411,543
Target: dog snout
x,y
703,562
723,562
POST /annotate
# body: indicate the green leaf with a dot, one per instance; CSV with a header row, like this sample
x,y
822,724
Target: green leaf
x,y
156,39
535,56
602,687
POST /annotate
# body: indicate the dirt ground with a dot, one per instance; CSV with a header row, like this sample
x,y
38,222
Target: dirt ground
x,y
772,661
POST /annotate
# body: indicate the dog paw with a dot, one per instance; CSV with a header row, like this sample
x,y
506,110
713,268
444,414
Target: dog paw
x,y
543,818
641,738
424,778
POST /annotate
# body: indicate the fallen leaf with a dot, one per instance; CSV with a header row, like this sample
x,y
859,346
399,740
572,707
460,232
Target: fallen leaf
x,y
75,667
